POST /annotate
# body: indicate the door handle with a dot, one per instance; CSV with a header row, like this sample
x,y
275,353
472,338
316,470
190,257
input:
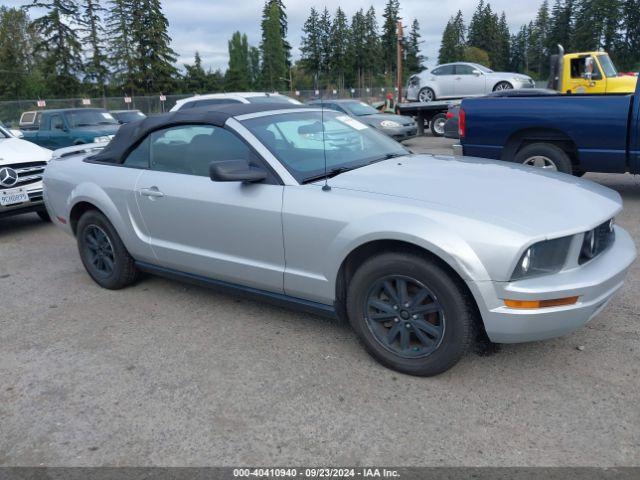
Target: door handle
x,y
151,192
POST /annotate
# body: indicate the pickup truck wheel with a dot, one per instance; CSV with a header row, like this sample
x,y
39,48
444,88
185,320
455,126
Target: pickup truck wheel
x,y
103,254
410,314
426,95
546,156
437,124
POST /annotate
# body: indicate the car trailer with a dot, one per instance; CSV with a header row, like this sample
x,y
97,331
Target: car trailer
x,y
433,112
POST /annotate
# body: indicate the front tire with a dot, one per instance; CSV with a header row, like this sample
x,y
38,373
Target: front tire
x,y
546,156
102,252
437,124
410,314
426,95
501,86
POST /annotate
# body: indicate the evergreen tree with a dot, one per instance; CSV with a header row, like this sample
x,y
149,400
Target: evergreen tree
x,y
237,77
538,54
59,45
484,33
372,61
519,51
16,60
630,43
274,61
453,40
597,24
154,59
311,45
340,38
502,55
95,68
413,58
284,24
195,78
326,45
561,26
120,46
389,39
255,81
357,47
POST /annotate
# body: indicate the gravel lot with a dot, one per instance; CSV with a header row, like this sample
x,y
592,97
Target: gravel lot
x,y
170,374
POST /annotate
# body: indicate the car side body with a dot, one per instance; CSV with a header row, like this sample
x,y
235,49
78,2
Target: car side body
x,y
461,80
303,242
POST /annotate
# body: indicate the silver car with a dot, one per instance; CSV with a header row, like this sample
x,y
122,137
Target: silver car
x,y
460,80
317,210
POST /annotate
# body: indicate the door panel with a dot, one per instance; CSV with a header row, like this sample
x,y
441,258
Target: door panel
x,y
445,79
467,84
229,231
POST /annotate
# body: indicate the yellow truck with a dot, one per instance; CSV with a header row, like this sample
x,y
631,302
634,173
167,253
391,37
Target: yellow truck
x,y
587,72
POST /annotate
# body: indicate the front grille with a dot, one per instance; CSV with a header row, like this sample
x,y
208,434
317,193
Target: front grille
x,y
28,173
597,241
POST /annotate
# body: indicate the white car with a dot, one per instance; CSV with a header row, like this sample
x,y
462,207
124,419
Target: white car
x,y
236,97
460,80
22,166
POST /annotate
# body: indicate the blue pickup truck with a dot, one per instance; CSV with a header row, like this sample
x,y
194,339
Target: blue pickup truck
x,y
570,133
66,127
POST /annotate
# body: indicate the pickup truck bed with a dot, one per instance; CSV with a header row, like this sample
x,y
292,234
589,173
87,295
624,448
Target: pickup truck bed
x,y
597,133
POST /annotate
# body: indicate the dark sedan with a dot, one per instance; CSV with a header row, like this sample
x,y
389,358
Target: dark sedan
x,y
397,127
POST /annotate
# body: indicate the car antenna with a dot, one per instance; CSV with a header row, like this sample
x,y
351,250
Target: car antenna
x,y
325,187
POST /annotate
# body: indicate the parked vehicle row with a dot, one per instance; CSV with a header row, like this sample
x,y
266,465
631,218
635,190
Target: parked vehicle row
x,y
323,212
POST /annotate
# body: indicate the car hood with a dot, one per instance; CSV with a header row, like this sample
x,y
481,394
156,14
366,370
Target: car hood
x,y
519,76
532,201
375,118
626,84
15,150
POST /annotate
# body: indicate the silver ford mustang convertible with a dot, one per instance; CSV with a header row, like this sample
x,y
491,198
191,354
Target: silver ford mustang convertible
x,y
317,210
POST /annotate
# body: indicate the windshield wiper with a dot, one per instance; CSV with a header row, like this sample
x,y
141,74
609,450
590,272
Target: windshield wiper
x,y
388,156
85,124
330,173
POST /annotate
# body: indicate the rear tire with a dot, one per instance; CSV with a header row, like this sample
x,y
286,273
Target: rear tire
x,y
437,124
102,252
545,155
412,338
426,95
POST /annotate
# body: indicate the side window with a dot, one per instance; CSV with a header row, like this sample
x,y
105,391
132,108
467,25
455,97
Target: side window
x,y
213,101
464,70
57,123
190,149
139,156
444,70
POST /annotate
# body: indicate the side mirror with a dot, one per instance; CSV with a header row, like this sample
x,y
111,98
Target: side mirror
x,y
235,171
477,73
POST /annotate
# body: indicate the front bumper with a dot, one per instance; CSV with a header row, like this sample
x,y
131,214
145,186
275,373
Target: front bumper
x,y
594,283
35,203
401,133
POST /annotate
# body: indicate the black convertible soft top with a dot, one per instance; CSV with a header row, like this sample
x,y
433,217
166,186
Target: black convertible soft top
x,y
130,134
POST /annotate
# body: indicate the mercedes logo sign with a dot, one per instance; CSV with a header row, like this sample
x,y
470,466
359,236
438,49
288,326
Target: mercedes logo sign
x,y
8,177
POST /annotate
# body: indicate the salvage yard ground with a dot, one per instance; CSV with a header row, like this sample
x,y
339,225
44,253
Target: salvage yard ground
x,y
165,373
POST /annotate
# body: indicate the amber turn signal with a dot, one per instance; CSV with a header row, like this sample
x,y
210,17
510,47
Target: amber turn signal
x,y
556,302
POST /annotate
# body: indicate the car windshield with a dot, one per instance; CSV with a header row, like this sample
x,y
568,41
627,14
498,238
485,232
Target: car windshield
x,y
296,139
89,118
359,109
272,99
608,66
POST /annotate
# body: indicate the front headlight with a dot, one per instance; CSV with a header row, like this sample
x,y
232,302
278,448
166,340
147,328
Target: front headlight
x,y
542,258
389,124
104,138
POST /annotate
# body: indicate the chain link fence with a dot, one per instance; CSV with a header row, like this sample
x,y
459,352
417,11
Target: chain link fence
x,y
10,111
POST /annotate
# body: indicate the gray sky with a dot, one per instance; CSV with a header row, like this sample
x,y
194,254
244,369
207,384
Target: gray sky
x,y
206,25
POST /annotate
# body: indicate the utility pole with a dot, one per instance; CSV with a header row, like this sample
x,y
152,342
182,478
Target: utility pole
x,y
399,61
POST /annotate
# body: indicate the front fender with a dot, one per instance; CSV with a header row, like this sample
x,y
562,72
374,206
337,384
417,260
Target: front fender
x,y
410,228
